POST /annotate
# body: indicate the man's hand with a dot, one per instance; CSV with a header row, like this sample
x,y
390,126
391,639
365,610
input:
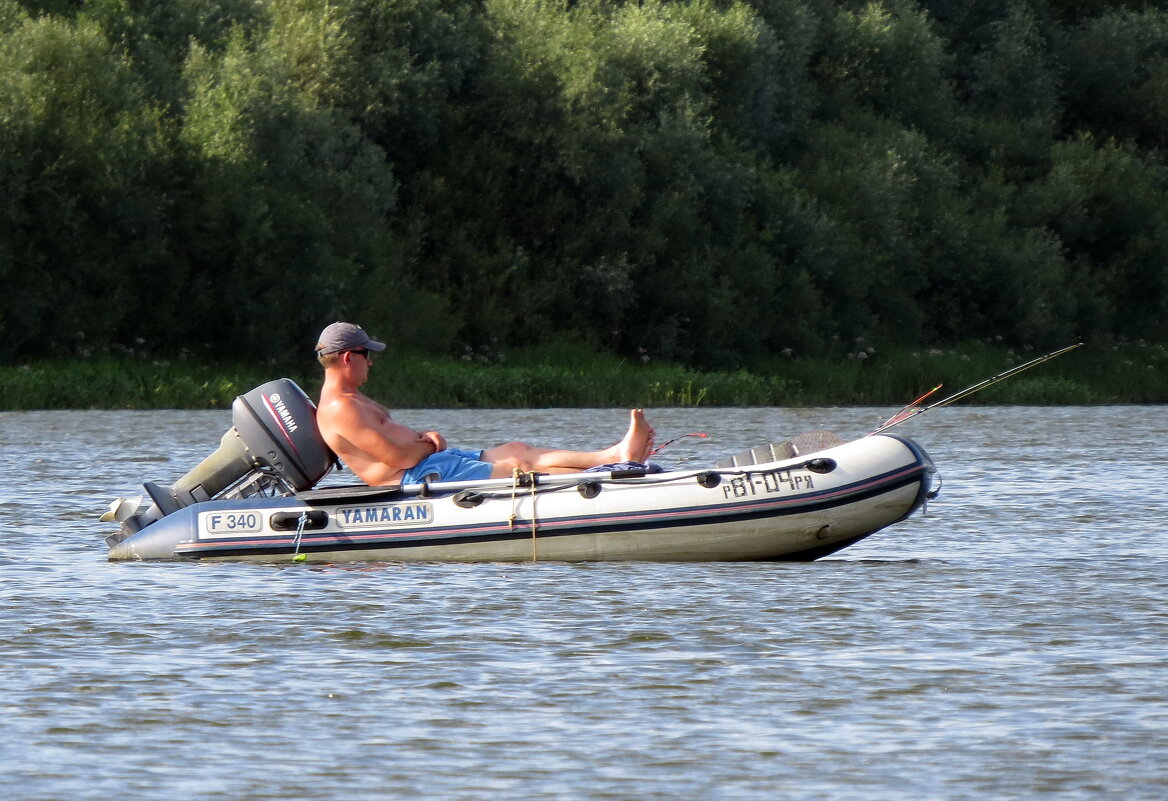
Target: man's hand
x,y
434,438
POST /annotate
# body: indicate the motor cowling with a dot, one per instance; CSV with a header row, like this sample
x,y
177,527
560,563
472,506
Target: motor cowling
x,y
273,444
273,437
277,425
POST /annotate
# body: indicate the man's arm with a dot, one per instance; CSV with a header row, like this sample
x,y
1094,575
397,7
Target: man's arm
x,y
356,432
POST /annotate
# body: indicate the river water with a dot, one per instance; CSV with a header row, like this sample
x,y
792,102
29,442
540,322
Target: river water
x,y
1010,643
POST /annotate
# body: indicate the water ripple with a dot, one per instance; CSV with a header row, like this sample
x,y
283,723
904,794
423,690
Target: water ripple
x,y
1008,644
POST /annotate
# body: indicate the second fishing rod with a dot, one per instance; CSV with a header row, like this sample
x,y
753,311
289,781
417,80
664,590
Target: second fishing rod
x,y
914,408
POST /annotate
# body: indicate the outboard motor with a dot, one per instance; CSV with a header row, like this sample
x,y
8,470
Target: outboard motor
x,y
273,446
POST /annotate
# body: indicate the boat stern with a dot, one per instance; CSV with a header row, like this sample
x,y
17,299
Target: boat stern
x,y
156,541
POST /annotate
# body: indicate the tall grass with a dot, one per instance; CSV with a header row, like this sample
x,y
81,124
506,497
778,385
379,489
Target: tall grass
x,y
560,375
125,383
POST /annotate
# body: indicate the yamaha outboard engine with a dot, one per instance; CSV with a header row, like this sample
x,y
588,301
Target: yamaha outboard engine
x,y
273,447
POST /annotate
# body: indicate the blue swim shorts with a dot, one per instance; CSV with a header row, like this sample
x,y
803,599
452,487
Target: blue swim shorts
x,y
449,465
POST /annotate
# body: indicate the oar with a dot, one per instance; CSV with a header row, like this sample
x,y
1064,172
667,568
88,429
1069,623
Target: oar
x,y
912,410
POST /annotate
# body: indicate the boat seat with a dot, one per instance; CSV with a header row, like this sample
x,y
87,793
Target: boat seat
x,y
805,443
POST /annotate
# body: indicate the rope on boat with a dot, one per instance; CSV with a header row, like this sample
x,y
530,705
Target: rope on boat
x,y
514,489
516,483
300,524
815,465
534,521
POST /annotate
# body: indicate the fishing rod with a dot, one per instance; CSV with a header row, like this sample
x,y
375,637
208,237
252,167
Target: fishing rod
x,y
701,434
909,410
914,408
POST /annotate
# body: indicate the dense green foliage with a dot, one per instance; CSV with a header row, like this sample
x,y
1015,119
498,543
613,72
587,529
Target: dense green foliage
x,y
707,182
570,375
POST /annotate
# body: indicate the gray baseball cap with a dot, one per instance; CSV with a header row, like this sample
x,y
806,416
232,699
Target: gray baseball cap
x,y
345,336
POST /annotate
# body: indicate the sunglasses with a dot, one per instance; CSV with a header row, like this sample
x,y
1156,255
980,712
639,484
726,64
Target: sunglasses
x,y
361,352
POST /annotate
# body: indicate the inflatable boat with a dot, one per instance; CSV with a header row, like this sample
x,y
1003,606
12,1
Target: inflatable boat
x,y
256,498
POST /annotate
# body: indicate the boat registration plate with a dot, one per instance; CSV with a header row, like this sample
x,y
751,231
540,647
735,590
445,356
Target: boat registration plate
x,y
228,523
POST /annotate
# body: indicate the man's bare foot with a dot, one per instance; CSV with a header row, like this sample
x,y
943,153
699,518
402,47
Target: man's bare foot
x,y
638,440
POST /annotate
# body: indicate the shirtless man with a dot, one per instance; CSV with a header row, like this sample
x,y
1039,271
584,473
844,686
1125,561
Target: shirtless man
x,y
381,451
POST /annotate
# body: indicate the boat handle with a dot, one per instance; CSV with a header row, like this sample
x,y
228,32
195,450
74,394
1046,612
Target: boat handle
x,y
290,521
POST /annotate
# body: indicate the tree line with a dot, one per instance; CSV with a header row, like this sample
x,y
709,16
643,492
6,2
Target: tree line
x,y
711,182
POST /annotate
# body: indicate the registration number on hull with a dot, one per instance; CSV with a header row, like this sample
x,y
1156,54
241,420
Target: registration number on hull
x,y
767,483
233,523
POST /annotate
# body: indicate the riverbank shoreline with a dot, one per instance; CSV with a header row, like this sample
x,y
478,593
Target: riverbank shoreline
x,y
570,377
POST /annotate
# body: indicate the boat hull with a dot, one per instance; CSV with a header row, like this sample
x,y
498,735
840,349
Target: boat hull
x,y
800,508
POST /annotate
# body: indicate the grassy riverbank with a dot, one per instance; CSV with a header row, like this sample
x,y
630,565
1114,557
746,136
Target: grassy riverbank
x,y
567,376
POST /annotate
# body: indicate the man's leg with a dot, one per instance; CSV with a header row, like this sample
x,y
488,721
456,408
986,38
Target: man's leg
x,y
634,447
